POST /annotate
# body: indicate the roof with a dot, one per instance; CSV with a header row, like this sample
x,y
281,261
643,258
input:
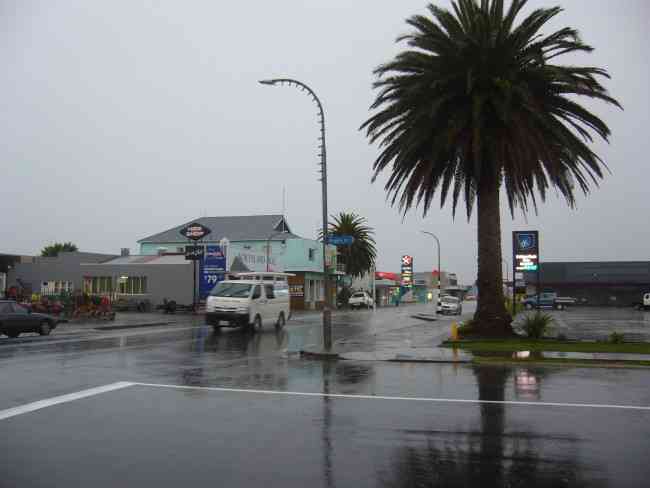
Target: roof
x,y
241,228
146,260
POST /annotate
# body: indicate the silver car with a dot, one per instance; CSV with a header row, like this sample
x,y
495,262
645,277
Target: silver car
x,y
450,305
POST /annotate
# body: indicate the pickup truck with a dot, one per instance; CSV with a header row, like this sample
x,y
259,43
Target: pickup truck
x,y
547,300
645,304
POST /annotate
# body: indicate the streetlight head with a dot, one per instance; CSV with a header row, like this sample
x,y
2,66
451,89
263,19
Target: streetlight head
x,y
268,82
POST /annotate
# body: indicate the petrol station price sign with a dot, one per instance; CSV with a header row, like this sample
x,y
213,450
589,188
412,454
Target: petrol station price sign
x,y
407,271
526,250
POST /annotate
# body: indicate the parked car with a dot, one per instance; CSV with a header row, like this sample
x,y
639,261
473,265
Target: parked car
x,y
16,319
251,302
547,300
450,305
645,303
361,299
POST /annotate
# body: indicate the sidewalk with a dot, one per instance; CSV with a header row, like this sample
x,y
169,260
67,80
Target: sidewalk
x,y
399,336
395,334
130,320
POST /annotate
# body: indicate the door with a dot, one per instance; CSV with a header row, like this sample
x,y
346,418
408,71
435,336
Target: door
x,y
272,310
20,319
257,303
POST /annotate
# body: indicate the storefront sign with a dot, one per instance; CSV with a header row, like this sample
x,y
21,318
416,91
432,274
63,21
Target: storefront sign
x,y
194,253
407,271
212,269
526,250
297,291
195,231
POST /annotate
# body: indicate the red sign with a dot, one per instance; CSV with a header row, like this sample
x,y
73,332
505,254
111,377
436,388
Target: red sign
x,y
382,275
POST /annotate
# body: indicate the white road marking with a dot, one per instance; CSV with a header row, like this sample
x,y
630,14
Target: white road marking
x,y
48,402
413,399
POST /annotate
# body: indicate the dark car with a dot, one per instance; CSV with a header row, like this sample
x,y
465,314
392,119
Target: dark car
x,y
16,319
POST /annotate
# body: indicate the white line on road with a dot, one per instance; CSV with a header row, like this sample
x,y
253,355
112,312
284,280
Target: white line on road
x,y
413,399
48,402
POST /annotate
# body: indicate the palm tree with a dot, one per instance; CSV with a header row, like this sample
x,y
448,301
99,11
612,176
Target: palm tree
x,y
475,104
53,250
360,256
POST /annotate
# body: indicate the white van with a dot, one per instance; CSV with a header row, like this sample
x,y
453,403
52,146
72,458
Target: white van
x,y
253,301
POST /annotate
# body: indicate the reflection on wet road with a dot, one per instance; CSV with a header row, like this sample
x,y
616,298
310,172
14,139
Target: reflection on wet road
x,y
156,436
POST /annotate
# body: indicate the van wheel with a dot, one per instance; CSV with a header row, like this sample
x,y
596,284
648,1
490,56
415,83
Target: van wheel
x,y
256,326
280,323
216,329
13,333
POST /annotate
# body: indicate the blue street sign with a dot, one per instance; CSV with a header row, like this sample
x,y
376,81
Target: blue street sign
x,y
340,240
212,269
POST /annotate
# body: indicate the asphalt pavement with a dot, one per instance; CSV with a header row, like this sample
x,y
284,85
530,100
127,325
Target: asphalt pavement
x,y
186,406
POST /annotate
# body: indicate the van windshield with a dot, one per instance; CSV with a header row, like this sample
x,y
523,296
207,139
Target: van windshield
x,y
233,290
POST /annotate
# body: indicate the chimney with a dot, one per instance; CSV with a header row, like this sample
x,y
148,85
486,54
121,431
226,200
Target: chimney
x,y
125,252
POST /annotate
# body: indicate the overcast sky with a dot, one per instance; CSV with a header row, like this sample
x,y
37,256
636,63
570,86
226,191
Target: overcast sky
x,y
123,118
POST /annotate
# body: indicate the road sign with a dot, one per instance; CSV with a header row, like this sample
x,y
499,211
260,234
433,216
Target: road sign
x,y
195,231
194,253
340,240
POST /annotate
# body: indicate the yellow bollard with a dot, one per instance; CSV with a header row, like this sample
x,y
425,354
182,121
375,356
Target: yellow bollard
x,y
454,331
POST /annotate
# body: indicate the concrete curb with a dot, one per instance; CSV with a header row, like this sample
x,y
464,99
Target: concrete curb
x,y
427,317
134,326
320,355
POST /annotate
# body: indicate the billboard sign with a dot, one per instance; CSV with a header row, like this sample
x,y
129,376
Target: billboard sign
x,y
211,270
407,271
526,250
195,231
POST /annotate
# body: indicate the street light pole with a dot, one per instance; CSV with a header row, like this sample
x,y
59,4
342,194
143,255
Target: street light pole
x,y
439,268
327,311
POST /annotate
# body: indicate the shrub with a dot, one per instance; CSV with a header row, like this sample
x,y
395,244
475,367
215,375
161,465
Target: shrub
x,y
518,306
536,325
616,338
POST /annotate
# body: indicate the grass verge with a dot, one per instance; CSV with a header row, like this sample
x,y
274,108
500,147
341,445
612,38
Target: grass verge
x,y
514,345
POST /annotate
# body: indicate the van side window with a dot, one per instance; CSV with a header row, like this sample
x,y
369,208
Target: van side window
x,y
257,292
269,291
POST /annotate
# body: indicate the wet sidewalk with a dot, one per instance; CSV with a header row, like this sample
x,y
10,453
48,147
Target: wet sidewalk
x,y
396,334
413,334
131,320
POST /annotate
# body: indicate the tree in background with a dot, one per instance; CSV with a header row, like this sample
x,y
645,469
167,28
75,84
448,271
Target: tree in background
x,y
360,256
477,104
53,250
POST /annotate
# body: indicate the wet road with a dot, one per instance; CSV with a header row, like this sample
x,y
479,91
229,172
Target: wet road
x,y
364,426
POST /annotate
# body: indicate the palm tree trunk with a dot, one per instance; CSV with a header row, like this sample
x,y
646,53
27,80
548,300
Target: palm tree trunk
x,y
491,317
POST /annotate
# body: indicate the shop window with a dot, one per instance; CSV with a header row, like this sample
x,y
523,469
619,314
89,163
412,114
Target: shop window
x,y
133,285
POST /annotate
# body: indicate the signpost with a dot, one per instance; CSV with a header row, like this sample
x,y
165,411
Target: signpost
x,y
525,257
211,269
340,240
194,253
407,271
194,232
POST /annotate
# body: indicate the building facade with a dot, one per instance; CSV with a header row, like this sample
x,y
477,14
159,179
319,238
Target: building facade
x,y
53,275
602,283
258,243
